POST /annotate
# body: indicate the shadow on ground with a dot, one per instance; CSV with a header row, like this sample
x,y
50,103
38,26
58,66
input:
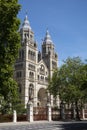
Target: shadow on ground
x,y
81,125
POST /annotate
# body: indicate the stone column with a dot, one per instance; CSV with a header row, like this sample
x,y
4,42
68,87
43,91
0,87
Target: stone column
x,y
51,98
30,111
83,114
49,112
14,116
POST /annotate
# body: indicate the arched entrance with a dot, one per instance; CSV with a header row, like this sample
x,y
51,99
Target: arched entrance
x,y
42,97
41,109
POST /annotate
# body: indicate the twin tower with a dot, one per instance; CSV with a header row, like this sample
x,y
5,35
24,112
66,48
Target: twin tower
x,y
33,67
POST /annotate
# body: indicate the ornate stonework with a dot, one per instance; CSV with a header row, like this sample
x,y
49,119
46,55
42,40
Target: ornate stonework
x,y
33,67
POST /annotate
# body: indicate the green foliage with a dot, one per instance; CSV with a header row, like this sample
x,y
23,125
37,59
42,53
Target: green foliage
x,y
68,81
20,108
53,84
9,45
5,106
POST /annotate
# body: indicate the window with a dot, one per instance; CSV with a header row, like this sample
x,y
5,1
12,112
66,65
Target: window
x,y
19,66
46,72
22,56
42,69
31,55
19,88
54,64
42,78
46,79
31,74
38,77
31,67
19,74
31,36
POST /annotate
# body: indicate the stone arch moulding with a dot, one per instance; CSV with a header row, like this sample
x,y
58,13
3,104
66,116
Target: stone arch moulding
x,y
42,97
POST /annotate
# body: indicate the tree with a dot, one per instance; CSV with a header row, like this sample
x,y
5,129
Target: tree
x,y
9,45
53,84
70,80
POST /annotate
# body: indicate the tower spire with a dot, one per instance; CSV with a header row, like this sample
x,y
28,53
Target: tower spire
x,y
26,24
26,16
47,37
26,12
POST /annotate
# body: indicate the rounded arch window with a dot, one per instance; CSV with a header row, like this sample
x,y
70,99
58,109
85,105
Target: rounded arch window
x,y
31,74
42,68
38,77
22,54
42,77
29,52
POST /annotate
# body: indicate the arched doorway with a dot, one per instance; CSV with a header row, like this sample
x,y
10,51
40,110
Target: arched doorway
x,y
42,97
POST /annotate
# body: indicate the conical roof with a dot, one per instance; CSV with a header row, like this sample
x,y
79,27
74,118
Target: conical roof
x,y
26,24
47,38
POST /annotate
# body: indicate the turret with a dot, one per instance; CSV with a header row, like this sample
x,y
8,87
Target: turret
x,y
47,45
48,53
26,31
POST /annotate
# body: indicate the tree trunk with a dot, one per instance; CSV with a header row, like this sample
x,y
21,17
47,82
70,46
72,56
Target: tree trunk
x,y
73,114
77,111
62,111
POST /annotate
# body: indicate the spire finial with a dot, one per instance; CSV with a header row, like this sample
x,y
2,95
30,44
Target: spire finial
x,y
26,15
47,37
47,31
26,23
26,12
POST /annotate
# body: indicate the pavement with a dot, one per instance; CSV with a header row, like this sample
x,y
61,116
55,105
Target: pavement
x,y
37,122
23,123
45,125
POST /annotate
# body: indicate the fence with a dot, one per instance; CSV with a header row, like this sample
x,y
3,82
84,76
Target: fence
x,y
56,114
43,113
9,118
40,113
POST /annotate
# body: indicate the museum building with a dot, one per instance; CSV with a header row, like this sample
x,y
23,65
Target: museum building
x,y
33,67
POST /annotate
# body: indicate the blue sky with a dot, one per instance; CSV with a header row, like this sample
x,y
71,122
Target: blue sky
x,y
66,21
